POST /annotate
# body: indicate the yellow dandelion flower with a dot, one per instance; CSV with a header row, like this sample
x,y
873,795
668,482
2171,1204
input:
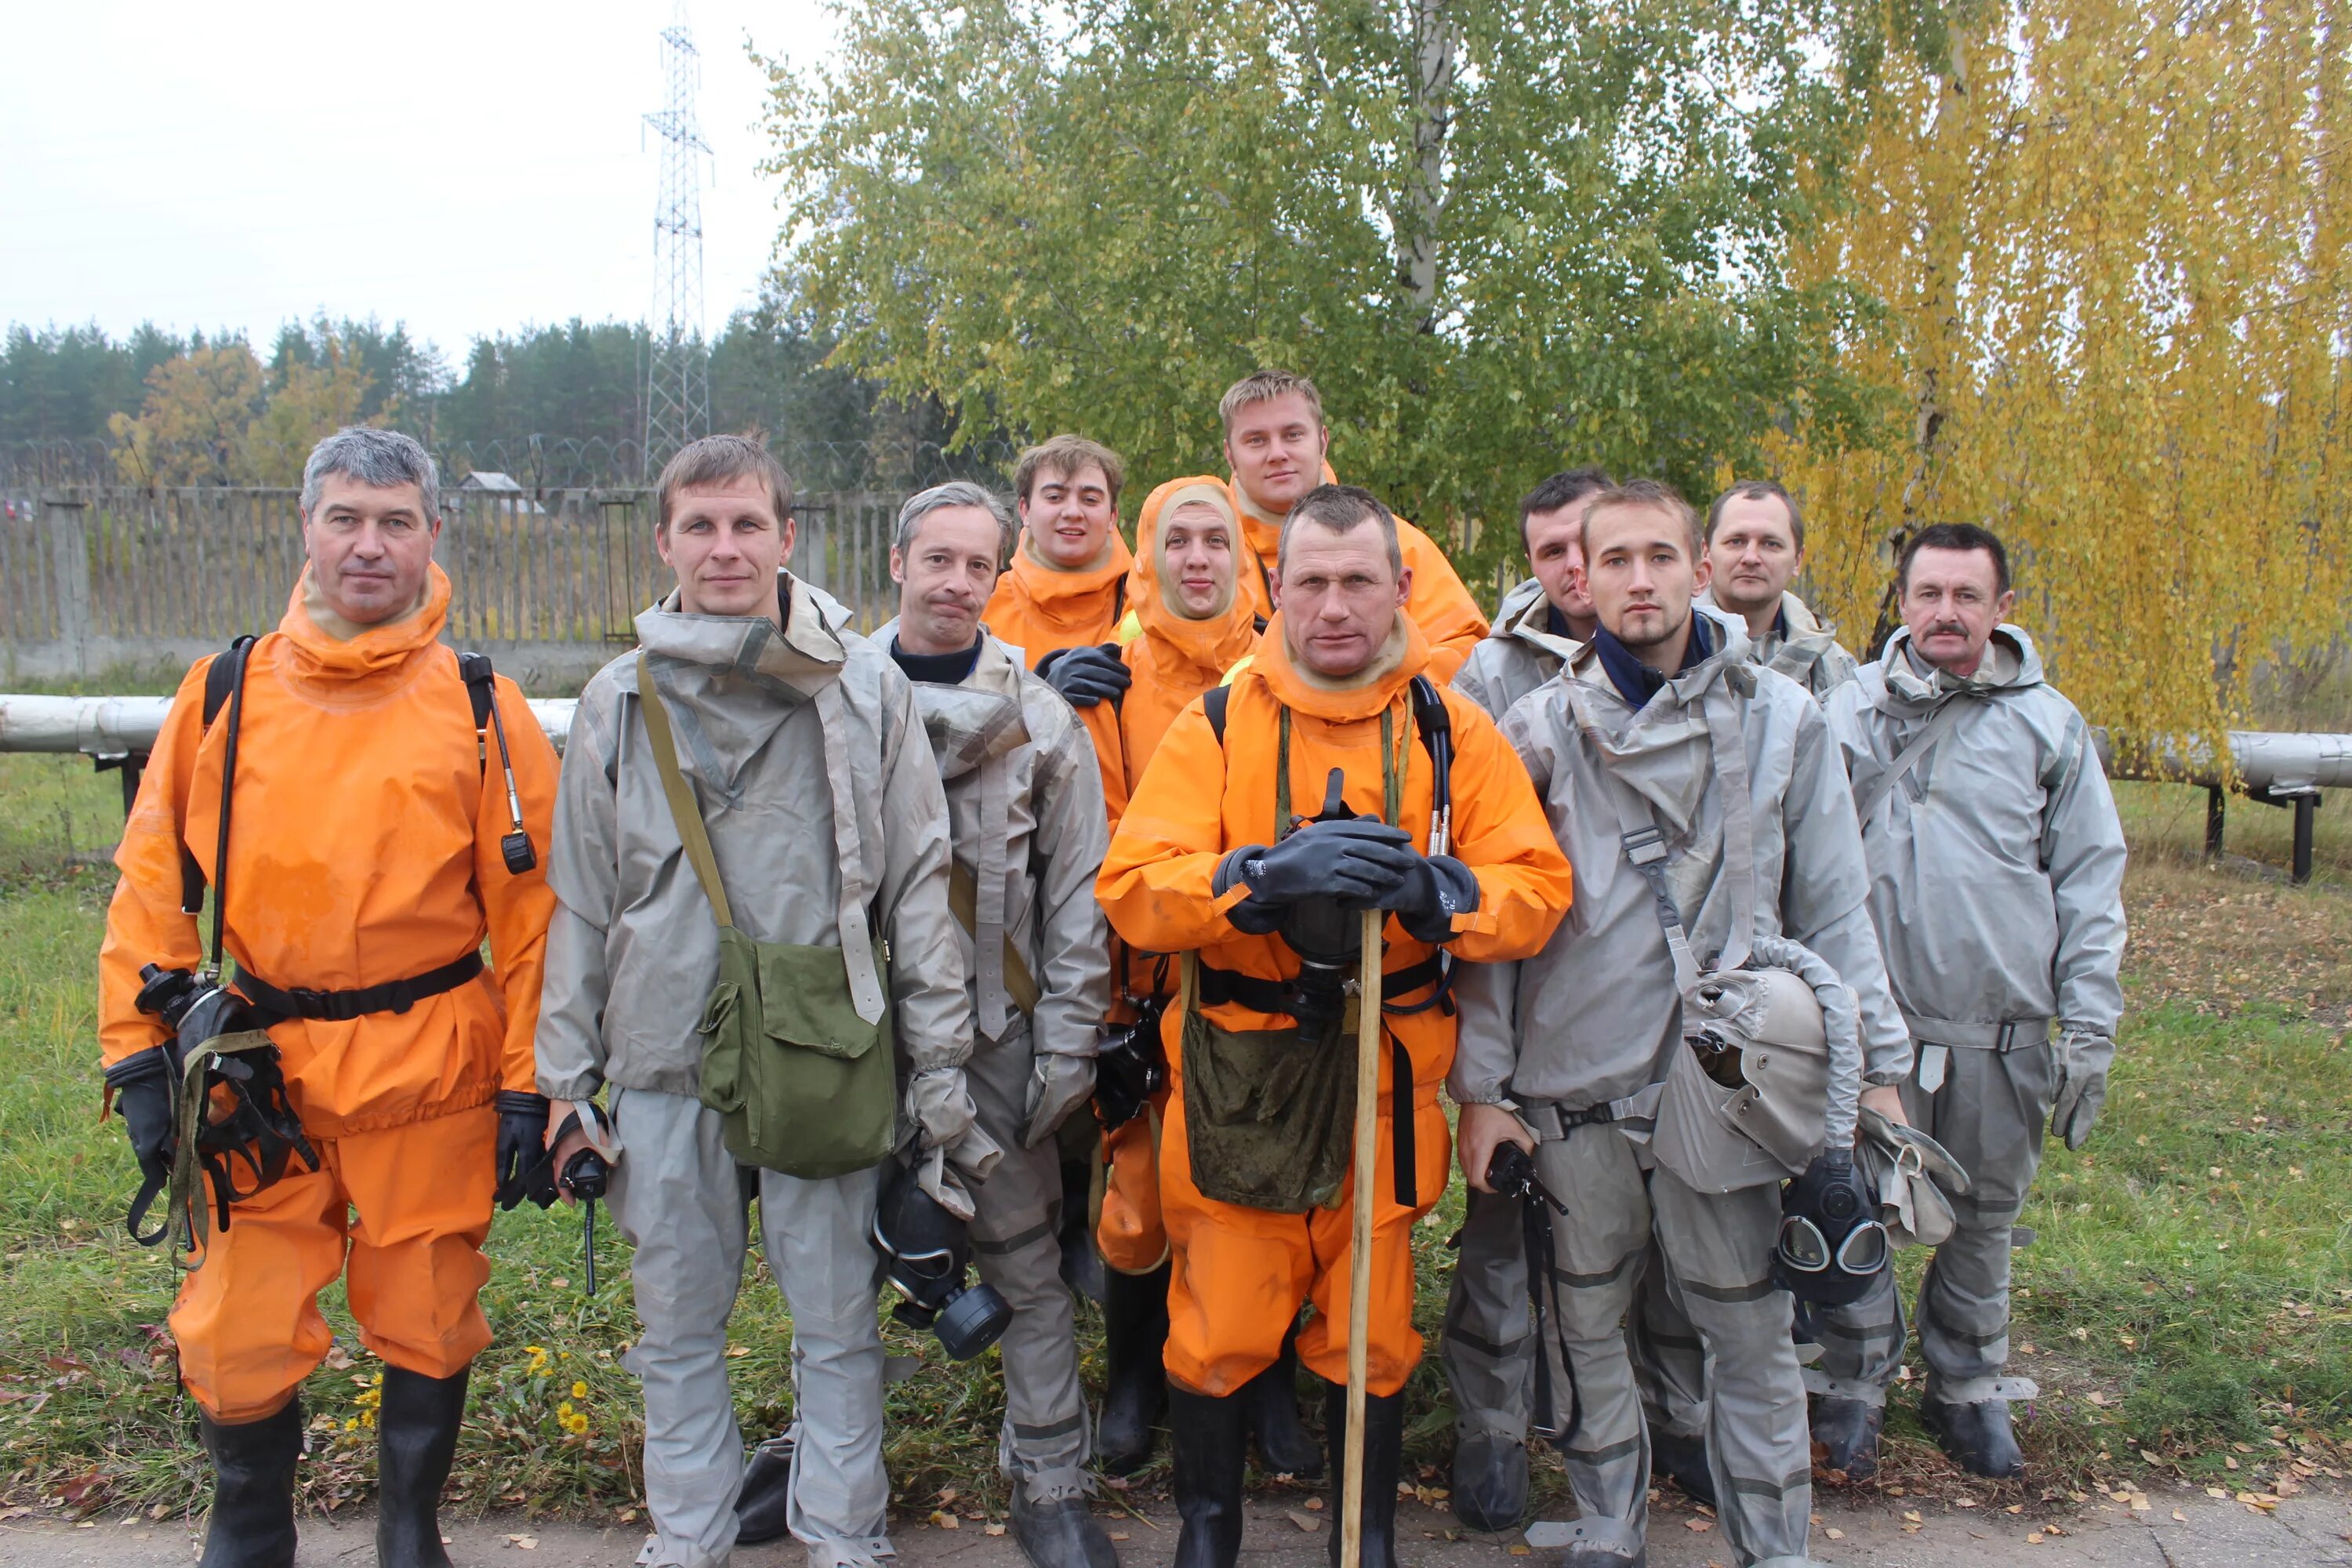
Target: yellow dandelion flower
x,y
565,1410
579,1389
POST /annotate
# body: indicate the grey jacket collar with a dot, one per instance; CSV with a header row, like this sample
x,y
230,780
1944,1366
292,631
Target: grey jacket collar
x,y
1645,748
1526,614
977,720
1911,686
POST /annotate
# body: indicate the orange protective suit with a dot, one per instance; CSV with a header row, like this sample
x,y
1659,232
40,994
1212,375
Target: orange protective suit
x,y
1041,609
1240,1273
1172,658
365,848
1448,616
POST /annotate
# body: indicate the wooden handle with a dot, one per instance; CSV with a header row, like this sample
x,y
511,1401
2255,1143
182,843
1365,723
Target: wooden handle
x,y
1359,1253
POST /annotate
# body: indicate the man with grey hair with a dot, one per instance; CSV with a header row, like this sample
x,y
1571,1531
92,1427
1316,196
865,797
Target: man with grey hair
x,y
754,947
389,799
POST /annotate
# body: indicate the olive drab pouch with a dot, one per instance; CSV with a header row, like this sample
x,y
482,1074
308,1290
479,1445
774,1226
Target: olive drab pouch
x,y
1269,1115
804,1085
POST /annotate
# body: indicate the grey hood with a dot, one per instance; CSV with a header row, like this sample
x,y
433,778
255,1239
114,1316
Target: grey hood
x,y
1809,654
1996,860
1520,653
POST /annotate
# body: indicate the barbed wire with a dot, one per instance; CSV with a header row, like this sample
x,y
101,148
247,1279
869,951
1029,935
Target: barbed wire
x,y
537,463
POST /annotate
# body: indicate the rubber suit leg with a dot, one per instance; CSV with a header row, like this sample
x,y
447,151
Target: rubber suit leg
x,y
1014,1242
421,1198
1392,1346
1236,1279
1488,1346
1719,1258
248,1322
1600,1244
1990,1113
1669,1362
1129,1232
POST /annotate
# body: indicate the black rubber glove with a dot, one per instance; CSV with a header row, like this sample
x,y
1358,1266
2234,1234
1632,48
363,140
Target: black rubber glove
x,y
1435,890
1086,676
1361,861
522,1169
143,1098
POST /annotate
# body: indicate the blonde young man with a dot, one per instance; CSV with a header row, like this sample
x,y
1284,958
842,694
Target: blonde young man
x,y
1276,448
800,746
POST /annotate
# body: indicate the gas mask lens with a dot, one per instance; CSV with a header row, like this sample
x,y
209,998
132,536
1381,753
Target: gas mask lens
x,y
1804,1249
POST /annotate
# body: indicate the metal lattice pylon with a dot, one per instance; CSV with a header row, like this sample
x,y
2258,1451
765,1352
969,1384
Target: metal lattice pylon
x,y
678,375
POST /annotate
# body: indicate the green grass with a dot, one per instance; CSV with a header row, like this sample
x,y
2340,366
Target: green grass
x,y
2227,1124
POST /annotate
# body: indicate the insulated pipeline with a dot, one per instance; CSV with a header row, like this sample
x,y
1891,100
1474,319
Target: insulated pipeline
x,y
117,726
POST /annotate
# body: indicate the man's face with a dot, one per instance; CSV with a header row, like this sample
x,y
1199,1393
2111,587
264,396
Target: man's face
x,y
726,545
1196,560
1754,556
1556,550
1069,516
1951,602
1338,598
1638,570
1275,450
944,575
371,548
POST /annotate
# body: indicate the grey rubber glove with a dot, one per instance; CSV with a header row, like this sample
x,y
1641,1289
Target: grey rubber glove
x,y
2083,1060
1086,676
1058,1086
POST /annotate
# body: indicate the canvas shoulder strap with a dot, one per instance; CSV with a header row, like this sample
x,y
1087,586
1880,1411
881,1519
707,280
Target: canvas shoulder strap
x,y
682,808
1866,798
963,901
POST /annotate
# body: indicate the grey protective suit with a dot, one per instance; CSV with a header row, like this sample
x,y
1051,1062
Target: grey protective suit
x,y
1808,653
1611,1015
1996,883
806,753
1025,800
1519,655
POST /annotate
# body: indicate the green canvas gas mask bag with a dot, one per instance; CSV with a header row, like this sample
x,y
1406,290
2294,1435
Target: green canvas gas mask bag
x,y
804,1085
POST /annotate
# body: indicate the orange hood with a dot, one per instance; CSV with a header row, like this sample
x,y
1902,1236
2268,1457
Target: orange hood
x,y
1402,657
1212,644
1069,601
321,652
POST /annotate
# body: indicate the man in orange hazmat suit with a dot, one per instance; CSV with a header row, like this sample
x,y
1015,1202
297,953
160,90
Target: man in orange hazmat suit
x,y
1186,625
1276,445
1222,856
372,849
1066,588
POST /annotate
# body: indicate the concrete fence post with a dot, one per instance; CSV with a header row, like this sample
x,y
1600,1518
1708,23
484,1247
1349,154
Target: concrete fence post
x,y
63,521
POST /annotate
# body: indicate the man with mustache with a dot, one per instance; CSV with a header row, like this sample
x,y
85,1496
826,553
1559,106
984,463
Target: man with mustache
x,y
1755,549
1277,445
1996,882
1700,801
366,859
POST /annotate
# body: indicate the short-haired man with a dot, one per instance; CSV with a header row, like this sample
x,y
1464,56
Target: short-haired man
x,y
364,865
1541,621
1755,548
1996,882
1276,810
800,747
1277,447
1066,588
1659,735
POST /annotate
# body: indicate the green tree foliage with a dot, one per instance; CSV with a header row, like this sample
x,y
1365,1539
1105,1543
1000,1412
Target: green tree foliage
x,y
580,380
1502,235
61,384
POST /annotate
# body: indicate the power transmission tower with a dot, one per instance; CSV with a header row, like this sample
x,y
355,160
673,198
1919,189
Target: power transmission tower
x,y
677,379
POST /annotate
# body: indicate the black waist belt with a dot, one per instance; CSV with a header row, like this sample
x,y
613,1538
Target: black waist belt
x,y
343,1006
1218,987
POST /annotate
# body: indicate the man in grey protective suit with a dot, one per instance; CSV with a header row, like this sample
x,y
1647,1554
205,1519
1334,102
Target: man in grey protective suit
x,y
1026,802
1755,548
803,748
1996,883
1489,1347
1661,746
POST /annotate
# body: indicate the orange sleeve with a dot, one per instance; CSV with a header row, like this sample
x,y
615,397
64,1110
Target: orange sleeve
x,y
1440,606
1501,833
518,907
144,923
1102,727
1155,881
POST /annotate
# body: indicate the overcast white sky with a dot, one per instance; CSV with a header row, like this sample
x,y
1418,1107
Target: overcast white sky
x,y
462,165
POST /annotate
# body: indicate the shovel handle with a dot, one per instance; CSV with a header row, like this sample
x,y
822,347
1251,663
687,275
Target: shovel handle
x,y
1359,1248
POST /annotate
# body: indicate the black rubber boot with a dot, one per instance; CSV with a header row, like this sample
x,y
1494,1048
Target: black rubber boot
x,y
416,1439
1062,1532
1207,1437
1271,1399
1978,1437
253,1489
766,1496
1682,1460
1135,1378
1082,1265
1490,1481
1383,1457
1846,1436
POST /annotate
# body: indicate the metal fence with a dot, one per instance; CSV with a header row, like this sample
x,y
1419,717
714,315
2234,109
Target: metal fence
x,y
96,577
